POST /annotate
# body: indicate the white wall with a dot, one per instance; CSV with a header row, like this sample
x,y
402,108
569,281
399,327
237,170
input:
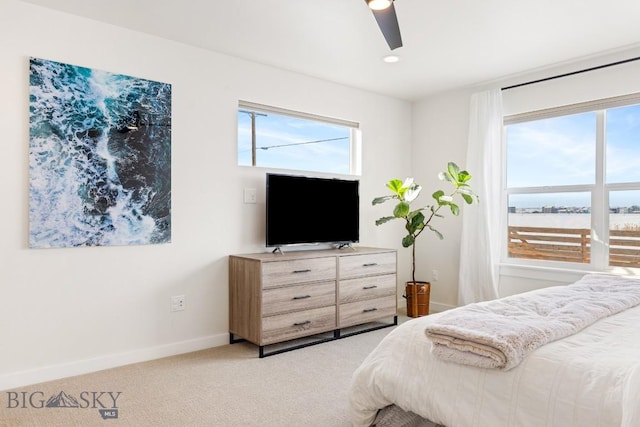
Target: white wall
x,y
69,311
440,127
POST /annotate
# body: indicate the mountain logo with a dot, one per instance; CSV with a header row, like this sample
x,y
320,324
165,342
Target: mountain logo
x,y
106,402
62,400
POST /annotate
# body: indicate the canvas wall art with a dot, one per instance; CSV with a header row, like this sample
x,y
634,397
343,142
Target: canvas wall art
x,y
99,158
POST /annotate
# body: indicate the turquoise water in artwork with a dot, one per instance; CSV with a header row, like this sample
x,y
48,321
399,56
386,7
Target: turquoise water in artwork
x,y
99,158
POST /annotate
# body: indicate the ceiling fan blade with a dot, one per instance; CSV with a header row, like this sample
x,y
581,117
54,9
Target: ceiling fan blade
x,y
388,23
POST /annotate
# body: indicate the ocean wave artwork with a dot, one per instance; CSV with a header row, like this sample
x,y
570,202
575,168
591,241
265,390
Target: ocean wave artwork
x,y
99,158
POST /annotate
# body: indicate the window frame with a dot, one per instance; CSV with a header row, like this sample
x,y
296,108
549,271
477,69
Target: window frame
x,y
355,141
599,259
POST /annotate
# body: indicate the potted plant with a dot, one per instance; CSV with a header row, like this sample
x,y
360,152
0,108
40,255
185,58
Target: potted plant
x,y
418,220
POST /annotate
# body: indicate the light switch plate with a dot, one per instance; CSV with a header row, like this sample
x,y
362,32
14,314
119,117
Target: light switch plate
x,y
250,195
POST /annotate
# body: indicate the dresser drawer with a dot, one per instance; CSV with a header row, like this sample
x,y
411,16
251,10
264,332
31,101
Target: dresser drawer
x,y
298,324
298,297
366,311
367,264
298,271
363,288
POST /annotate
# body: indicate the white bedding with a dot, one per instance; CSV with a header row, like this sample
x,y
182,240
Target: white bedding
x,y
591,378
500,333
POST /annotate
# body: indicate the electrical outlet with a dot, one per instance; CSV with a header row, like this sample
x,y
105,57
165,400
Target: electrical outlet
x,y
250,195
435,275
177,303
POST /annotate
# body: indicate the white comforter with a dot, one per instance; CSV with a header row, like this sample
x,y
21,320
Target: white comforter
x,y
591,378
500,333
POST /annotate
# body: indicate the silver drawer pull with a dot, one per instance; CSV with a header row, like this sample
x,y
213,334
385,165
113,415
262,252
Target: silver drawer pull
x,y
369,310
371,264
301,271
370,287
306,322
302,297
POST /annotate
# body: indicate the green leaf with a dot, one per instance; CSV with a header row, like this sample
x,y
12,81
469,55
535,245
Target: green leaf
x,y
453,170
413,214
463,177
454,209
395,185
401,210
416,223
436,195
416,216
408,241
467,198
445,200
382,199
384,219
439,234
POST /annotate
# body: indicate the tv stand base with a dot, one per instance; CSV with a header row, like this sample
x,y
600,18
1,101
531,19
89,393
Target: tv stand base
x,y
313,340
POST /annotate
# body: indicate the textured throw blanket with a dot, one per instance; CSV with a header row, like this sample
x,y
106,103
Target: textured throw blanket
x,y
500,333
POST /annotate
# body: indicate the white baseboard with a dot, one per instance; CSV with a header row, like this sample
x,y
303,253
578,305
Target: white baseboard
x,y
437,307
79,367
434,307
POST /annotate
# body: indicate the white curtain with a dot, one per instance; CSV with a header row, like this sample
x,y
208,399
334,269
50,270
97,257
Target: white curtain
x,y
480,244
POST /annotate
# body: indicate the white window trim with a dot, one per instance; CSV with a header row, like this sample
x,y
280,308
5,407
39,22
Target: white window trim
x,y
355,165
308,116
531,268
565,110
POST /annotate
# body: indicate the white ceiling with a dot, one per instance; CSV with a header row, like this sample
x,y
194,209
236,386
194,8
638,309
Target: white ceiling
x,y
447,44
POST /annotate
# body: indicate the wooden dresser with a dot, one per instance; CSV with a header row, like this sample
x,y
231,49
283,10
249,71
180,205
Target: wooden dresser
x,y
275,298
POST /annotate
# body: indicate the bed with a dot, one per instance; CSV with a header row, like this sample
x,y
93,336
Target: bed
x,y
590,377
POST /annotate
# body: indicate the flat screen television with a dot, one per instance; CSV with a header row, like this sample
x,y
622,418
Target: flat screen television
x,y
305,210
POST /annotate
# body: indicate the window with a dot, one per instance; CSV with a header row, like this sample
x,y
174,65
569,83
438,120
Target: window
x,y
273,137
573,184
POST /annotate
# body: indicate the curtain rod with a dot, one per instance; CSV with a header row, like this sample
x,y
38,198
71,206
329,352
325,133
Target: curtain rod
x,y
624,61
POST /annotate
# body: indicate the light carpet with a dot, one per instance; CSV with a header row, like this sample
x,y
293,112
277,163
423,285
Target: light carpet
x,y
222,386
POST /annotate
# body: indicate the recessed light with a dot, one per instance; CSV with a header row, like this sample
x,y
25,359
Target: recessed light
x,y
391,59
379,4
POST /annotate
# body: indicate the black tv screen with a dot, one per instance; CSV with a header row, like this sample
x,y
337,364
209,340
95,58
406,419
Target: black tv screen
x,y
305,210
